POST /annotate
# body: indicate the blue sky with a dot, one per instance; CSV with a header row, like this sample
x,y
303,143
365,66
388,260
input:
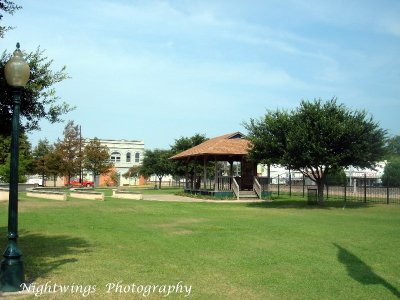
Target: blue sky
x,y
159,70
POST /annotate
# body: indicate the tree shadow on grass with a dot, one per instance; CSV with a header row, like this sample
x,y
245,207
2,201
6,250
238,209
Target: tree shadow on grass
x,y
361,272
42,254
303,204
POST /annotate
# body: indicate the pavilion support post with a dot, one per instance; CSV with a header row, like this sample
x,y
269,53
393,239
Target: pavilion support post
x,y
186,174
193,175
205,172
231,173
216,174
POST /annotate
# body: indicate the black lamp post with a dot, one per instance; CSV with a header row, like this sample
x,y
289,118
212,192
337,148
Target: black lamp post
x,y
17,73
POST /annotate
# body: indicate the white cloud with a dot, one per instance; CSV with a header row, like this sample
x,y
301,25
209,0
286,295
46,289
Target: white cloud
x,y
391,26
156,13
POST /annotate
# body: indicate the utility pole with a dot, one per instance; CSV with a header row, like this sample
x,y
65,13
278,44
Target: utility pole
x,y
80,155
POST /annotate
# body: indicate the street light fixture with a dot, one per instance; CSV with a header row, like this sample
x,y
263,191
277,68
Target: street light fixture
x,y
17,73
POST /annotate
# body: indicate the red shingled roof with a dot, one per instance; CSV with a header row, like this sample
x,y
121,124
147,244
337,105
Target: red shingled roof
x,y
228,144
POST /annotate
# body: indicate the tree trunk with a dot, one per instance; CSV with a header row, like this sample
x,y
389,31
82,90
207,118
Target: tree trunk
x,y
320,185
159,182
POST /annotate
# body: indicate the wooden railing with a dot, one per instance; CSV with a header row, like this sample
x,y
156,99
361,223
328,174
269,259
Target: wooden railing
x,y
257,187
236,189
224,183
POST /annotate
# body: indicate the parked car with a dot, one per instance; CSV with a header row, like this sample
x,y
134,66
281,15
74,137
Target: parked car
x,y
87,183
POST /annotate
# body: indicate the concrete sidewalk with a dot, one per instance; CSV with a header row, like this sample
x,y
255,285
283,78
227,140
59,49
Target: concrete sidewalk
x,y
175,198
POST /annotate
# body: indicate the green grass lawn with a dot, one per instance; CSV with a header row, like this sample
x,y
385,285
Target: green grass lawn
x,y
280,250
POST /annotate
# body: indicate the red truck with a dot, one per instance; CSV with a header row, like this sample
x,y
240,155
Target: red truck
x,y
86,183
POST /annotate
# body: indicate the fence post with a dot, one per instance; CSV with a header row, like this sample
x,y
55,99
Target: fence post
x,y
278,184
304,184
365,187
387,190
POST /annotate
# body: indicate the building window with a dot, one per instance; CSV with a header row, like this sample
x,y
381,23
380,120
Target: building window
x,y
115,157
137,157
128,157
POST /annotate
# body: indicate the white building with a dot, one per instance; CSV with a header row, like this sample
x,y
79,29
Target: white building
x,y
373,176
123,154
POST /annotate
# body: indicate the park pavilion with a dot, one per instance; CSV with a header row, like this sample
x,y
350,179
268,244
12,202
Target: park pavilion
x,y
219,181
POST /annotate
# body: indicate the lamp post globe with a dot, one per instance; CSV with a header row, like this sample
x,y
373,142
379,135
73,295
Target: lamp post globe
x,y
12,277
17,70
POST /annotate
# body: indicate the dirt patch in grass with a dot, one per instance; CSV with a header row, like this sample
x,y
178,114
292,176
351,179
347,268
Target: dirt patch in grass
x,y
182,232
27,204
179,223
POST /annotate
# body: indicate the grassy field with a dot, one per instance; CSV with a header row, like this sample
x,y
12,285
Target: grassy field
x,y
280,250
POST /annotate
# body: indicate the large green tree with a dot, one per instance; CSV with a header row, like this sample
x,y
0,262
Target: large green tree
x,y
391,173
393,146
39,153
178,167
39,99
317,138
69,148
96,158
391,176
156,162
8,7
25,158
53,163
